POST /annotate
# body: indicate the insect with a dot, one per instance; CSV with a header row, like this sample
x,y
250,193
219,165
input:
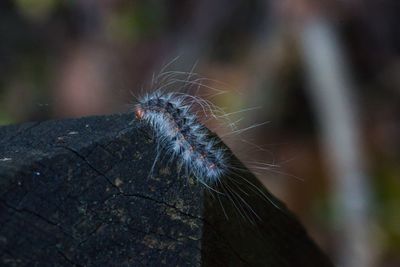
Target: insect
x,y
175,118
182,136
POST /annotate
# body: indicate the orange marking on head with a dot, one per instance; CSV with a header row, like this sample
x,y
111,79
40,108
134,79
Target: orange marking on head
x,y
139,112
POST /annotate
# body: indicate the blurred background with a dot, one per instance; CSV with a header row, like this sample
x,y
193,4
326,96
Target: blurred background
x,y
324,74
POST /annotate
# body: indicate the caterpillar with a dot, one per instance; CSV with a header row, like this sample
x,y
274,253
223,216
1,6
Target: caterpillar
x,y
175,118
185,138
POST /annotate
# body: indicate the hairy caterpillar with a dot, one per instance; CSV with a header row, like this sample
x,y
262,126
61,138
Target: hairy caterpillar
x,y
185,138
176,119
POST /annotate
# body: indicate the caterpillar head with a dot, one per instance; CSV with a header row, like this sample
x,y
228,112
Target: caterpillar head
x,y
139,112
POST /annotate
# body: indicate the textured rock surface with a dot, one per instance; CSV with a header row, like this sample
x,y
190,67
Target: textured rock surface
x,y
78,192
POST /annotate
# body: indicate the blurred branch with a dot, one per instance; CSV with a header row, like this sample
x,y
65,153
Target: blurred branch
x,y
331,90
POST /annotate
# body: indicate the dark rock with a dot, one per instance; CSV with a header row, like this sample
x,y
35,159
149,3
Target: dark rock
x,y
80,192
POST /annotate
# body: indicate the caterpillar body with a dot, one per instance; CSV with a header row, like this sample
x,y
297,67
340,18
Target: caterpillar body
x,y
180,133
